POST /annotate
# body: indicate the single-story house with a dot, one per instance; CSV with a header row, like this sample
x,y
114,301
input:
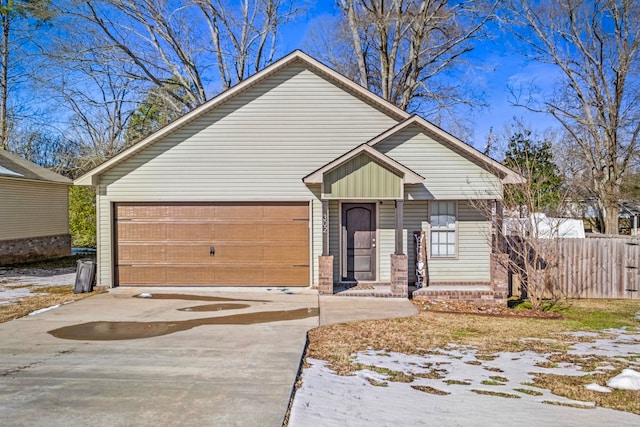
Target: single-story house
x,y
34,211
296,176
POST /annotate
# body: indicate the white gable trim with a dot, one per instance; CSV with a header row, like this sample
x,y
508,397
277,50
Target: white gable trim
x,y
410,177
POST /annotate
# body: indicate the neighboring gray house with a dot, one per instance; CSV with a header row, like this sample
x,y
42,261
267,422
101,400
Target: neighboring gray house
x,y
34,211
296,176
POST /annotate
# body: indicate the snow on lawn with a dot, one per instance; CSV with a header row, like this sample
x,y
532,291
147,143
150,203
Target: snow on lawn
x,y
449,395
10,280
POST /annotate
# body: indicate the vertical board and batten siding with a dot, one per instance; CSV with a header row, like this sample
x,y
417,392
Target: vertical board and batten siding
x,y
601,267
362,178
32,209
448,174
256,146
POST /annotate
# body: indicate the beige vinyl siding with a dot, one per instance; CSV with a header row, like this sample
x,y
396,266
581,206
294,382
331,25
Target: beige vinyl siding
x,y
416,218
472,263
256,147
362,178
32,209
448,174
334,237
104,238
386,238
474,249
316,238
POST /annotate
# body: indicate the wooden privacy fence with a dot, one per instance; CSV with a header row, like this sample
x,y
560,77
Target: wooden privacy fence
x,y
595,267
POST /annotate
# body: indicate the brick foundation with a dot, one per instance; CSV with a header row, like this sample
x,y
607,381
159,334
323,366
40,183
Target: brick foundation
x,y
478,297
325,275
34,249
399,276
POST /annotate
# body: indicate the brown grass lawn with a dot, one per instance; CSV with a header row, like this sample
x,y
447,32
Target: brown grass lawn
x,y
55,295
429,330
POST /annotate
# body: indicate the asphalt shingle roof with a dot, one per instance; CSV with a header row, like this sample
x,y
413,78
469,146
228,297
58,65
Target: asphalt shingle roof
x,y
13,166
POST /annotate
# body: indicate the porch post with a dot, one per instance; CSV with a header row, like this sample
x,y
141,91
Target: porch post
x,y
325,227
399,226
325,261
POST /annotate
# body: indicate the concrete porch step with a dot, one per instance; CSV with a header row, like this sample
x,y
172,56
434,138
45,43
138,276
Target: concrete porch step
x,y
363,289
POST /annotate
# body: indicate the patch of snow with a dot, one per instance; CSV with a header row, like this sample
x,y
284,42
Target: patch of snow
x,y
597,387
43,310
627,380
145,295
580,334
327,399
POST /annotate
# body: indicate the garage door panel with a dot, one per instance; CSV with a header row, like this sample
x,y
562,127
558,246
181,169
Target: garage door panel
x,y
140,232
190,231
200,254
196,211
192,275
140,210
238,275
142,275
255,244
132,253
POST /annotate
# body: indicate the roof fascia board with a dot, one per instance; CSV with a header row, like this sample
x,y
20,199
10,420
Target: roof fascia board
x,y
39,181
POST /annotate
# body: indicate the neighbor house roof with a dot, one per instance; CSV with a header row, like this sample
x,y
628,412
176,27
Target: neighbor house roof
x,y
12,166
508,176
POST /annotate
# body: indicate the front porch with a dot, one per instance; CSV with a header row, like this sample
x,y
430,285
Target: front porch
x,y
492,293
375,231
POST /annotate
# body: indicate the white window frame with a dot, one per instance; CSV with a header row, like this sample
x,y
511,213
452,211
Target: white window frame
x,y
446,229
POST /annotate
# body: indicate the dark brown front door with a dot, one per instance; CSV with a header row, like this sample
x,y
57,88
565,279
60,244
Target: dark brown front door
x,y
359,241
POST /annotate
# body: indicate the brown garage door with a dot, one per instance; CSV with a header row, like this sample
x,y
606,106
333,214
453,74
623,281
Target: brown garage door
x,y
212,244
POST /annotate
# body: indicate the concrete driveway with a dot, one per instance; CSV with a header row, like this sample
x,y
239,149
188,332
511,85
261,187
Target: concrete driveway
x,y
231,371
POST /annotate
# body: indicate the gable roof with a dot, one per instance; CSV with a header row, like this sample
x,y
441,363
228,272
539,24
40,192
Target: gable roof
x,y
410,177
12,166
406,119
296,56
507,175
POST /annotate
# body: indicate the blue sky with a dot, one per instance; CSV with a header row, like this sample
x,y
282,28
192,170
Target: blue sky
x,y
500,66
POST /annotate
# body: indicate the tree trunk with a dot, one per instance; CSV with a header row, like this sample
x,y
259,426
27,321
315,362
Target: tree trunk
x,y
4,79
610,220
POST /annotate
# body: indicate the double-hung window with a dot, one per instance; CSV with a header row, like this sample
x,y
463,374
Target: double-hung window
x,y
443,222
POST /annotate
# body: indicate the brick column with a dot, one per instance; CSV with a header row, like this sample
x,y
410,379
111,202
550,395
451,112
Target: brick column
x,y
400,276
325,274
500,275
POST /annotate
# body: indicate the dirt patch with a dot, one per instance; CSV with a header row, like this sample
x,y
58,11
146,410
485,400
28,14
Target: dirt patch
x,y
458,307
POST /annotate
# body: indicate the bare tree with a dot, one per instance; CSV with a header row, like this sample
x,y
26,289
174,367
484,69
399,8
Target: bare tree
x,y
185,47
402,48
244,38
595,48
18,20
528,222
